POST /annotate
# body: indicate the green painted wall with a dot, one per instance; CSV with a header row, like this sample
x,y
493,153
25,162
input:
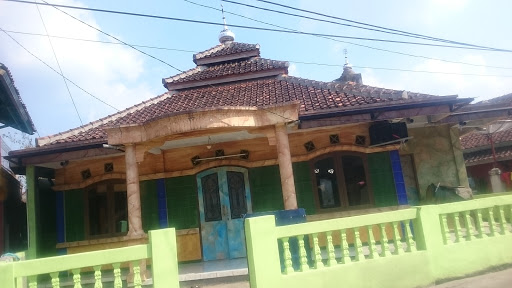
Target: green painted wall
x,y
74,215
266,189
437,157
149,205
182,209
303,186
47,225
381,177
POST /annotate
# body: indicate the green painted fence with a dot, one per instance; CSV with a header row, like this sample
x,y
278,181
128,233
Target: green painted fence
x,y
161,250
415,246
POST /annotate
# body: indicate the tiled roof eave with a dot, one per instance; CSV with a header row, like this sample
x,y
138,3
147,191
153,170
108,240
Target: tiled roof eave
x,y
227,79
384,105
230,57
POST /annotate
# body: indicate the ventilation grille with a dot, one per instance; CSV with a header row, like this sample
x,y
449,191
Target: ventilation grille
x,y
310,146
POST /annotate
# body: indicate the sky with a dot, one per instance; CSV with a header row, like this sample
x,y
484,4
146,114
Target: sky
x,y
122,76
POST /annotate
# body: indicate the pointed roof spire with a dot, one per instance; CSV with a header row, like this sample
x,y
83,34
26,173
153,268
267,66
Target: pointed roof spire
x,y
348,74
226,36
347,65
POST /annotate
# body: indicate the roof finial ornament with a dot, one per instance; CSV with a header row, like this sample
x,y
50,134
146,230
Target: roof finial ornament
x,y
226,36
346,59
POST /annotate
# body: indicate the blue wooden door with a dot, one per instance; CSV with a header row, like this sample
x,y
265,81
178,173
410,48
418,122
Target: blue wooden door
x,y
224,197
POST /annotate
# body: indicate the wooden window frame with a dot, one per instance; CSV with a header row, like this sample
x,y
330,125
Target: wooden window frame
x,y
111,209
340,178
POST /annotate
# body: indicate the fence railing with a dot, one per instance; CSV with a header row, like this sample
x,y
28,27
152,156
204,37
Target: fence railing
x,y
404,248
161,251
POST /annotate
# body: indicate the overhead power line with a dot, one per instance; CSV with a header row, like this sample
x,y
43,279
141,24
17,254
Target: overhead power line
x,y
58,65
259,28
103,42
352,43
386,31
291,61
103,32
365,24
49,66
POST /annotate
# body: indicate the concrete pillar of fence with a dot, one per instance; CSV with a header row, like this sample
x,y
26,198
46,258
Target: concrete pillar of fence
x,y
429,236
427,228
262,252
164,258
7,275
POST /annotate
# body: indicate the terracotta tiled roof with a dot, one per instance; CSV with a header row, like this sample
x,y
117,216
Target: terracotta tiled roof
x,y
485,156
226,49
314,96
227,69
22,121
505,99
474,140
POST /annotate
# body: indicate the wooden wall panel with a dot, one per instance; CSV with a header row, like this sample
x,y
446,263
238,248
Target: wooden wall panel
x,y
175,160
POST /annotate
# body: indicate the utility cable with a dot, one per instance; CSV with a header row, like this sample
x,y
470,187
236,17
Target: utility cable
x,y
256,28
103,42
105,33
352,43
58,65
365,24
359,27
291,61
70,81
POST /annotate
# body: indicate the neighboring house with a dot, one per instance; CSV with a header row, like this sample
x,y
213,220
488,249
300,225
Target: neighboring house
x,y
477,147
233,136
13,213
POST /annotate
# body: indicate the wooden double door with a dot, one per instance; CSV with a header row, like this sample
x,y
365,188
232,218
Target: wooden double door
x,y
224,197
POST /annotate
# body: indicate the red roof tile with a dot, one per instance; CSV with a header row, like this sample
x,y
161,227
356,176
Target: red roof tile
x,y
474,140
505,99
227,69
227,49
314,96
485,156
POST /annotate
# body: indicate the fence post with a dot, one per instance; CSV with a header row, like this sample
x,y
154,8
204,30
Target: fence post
x,y
7,275
429,235
164,258
262,252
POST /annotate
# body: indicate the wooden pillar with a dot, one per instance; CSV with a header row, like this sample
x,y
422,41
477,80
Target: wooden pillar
x,y
133,192
285,168
32,211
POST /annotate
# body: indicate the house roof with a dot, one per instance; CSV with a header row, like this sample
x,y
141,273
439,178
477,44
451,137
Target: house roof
x,y
232,48
485,156
13,112
475,140
241,79
225,69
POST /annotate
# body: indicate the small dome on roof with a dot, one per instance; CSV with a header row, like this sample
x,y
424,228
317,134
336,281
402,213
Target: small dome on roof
x,y
226,36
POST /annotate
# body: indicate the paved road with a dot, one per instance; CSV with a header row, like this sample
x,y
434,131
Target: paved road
x,y
501,279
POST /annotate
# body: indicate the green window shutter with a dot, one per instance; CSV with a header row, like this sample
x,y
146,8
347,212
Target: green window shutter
x,y
302,177
182,209
381,177
149,205
74,215
266,189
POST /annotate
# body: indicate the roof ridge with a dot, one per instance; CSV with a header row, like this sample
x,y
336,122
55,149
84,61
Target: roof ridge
x,y
41,141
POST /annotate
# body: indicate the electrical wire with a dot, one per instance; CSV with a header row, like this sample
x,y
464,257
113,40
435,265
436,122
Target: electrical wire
x,y
256,28
70,81
58,65
352,43
362,23
105,33
103,42
401,33
291,61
